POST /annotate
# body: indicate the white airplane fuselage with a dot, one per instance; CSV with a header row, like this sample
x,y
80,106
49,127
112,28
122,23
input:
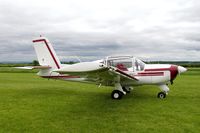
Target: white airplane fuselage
x,y
152,73
122,72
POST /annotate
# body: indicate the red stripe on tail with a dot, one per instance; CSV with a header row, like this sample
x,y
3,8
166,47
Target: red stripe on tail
x,y
43,40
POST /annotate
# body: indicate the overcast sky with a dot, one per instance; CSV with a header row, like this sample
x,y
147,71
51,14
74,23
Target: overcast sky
x,y
93,29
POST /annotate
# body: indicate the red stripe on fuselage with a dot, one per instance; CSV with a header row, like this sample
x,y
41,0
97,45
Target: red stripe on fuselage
x,y
158,69
150,74
43,40
173,71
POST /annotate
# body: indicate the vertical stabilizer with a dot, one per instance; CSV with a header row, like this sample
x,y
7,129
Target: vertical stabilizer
x,y
45,53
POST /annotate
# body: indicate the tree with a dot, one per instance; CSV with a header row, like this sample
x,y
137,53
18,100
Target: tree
x,y
35,63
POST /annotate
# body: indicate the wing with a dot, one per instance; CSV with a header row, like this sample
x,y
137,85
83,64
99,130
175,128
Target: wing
x,y
104,75
122,74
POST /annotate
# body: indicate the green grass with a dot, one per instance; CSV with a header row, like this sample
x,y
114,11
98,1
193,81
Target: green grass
x,y
32,104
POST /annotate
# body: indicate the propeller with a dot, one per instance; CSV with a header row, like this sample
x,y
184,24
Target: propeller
x,y
181,69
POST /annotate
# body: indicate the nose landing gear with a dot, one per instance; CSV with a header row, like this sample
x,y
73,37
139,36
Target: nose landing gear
x,y
161,95
164,88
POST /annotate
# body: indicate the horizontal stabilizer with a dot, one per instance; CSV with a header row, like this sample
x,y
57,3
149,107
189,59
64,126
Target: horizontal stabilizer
x,y
33,67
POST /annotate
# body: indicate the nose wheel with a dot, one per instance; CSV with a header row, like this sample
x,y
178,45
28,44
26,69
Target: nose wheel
x,y
161,95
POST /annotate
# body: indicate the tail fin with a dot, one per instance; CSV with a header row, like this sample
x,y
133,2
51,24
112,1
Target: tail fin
x,y
45,53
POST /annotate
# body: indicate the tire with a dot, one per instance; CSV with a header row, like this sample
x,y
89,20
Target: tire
x,y
127,91
161,95
116,94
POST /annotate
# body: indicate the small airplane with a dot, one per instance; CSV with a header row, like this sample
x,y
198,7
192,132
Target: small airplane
x,y
122,72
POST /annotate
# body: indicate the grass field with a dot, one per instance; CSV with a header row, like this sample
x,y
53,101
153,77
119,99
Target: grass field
x,y
32,104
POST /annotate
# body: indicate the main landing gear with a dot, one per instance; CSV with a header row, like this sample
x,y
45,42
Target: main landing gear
x,y
164,91
120,91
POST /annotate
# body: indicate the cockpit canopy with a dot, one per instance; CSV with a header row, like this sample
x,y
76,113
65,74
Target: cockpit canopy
x,y
125,63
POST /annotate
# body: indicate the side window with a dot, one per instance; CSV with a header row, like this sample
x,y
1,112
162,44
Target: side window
x,y
139,65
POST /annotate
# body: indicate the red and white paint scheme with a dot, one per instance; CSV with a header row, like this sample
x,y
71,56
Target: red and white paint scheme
x,y
122,72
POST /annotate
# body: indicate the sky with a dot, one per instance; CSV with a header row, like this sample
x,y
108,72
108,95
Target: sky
x,y
166,30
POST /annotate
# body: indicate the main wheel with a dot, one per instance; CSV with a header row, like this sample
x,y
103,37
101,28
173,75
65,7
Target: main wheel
x,y
127,91
161,95
116,94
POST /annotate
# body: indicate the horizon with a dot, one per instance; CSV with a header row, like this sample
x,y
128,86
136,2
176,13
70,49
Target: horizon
x,y
159,61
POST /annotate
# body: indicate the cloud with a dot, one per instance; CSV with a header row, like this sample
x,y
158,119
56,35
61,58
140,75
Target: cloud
x,y
93,29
